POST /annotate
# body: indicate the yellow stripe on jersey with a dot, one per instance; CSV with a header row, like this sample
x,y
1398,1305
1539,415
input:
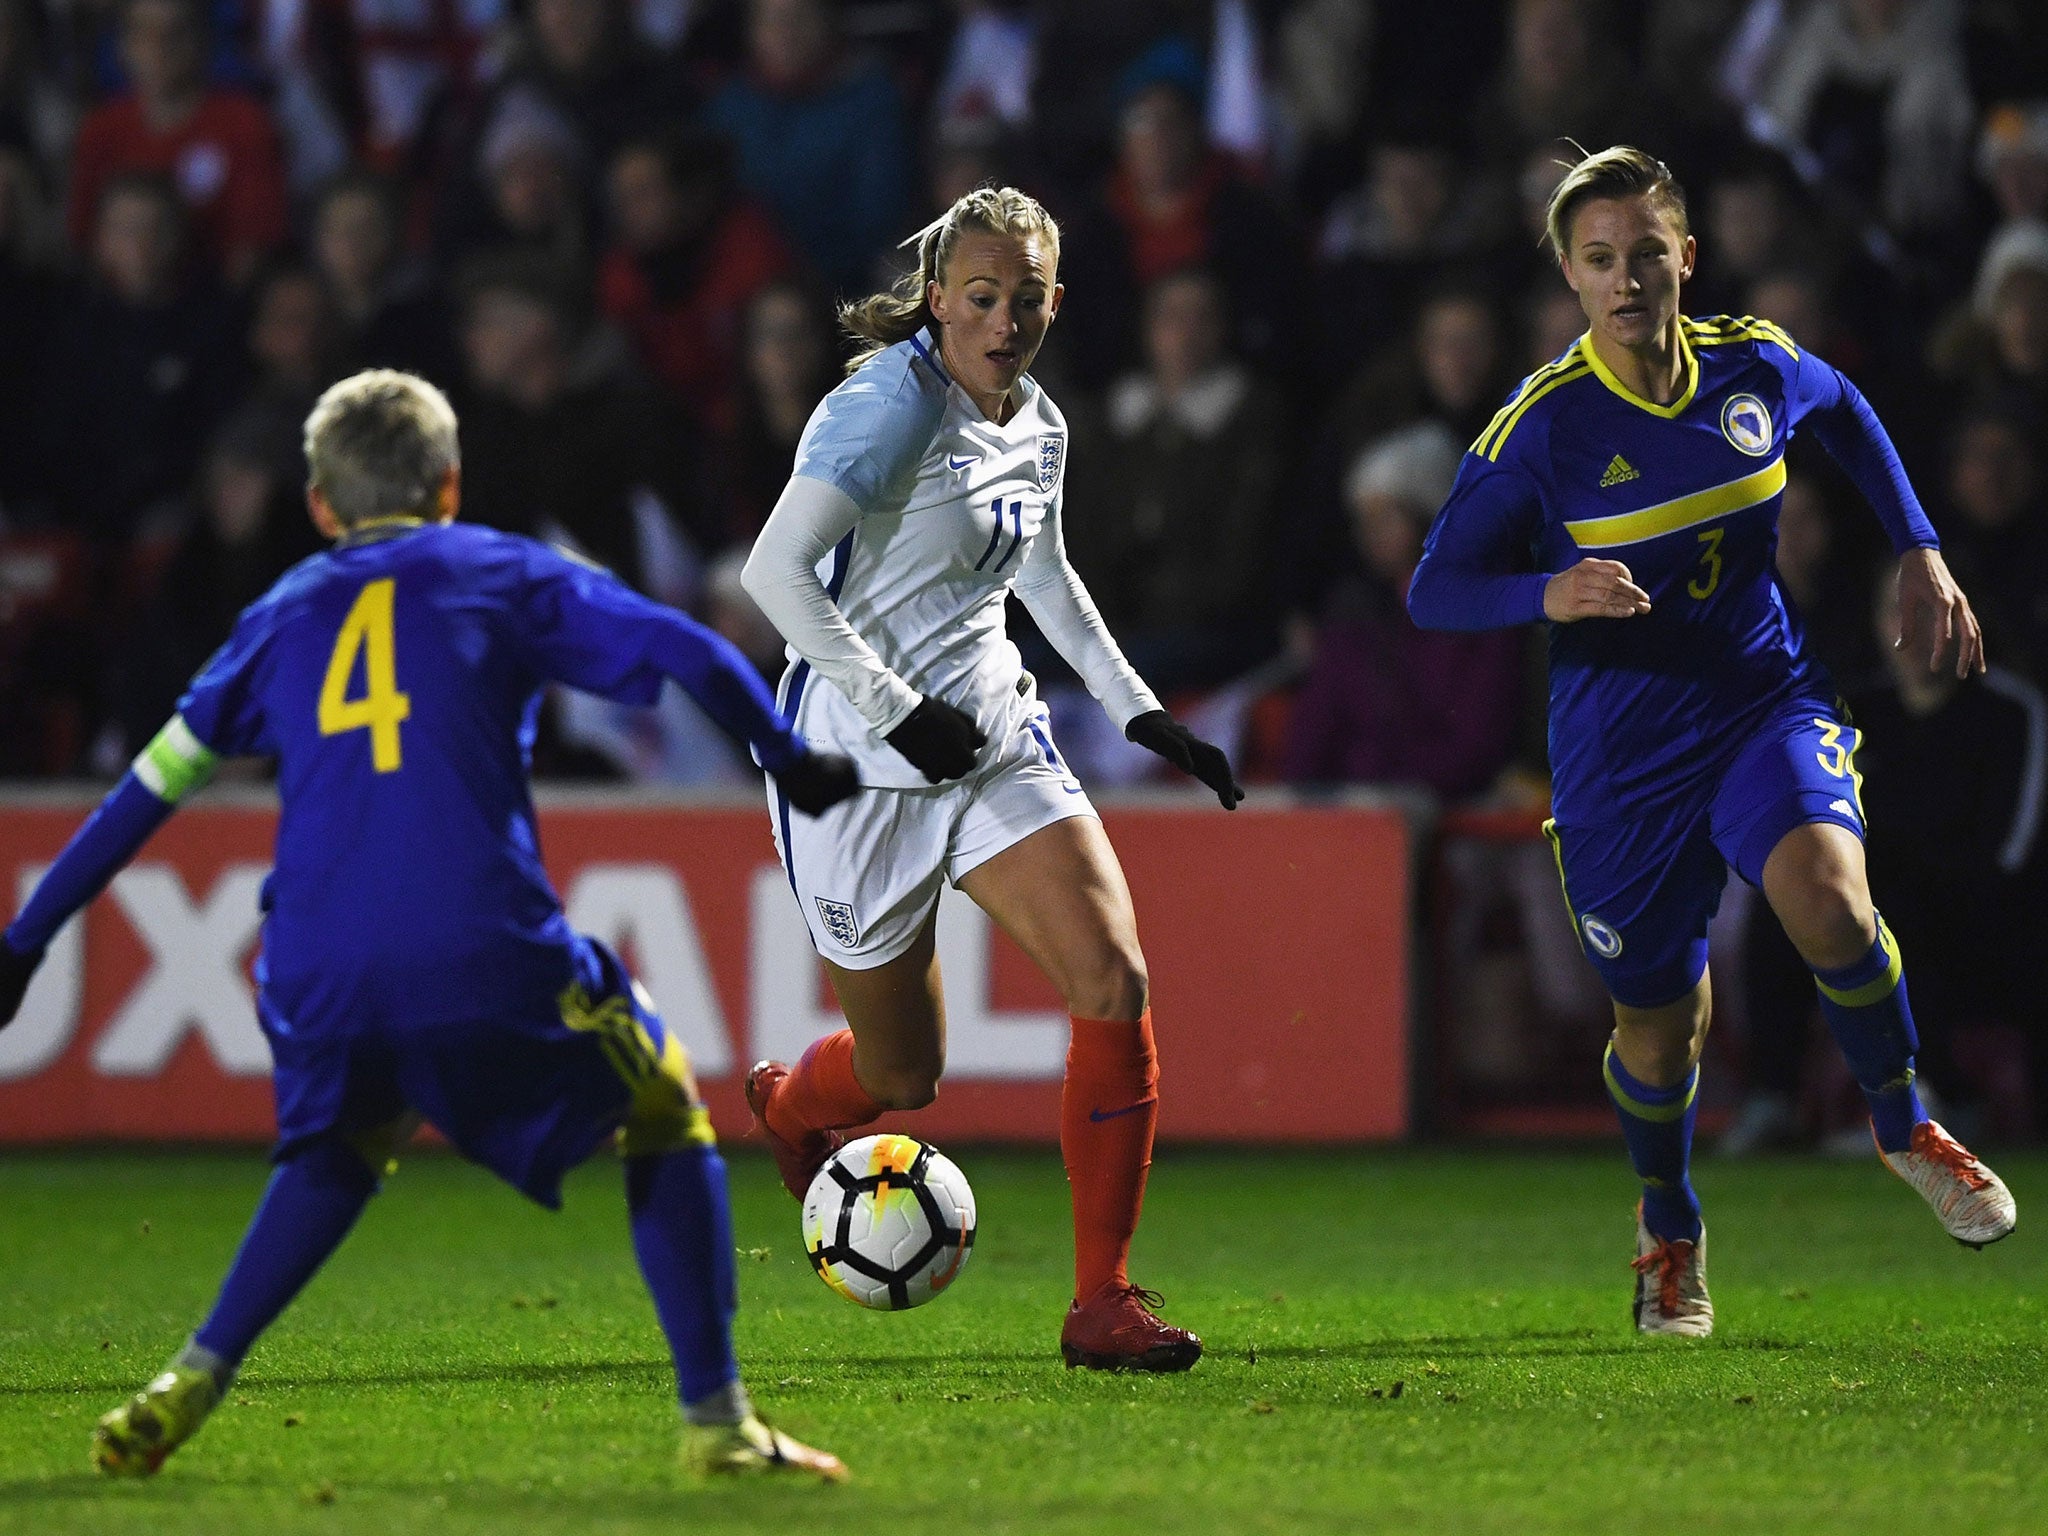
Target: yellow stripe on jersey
x,y
1722,329
1676,407
1686,512
1571,366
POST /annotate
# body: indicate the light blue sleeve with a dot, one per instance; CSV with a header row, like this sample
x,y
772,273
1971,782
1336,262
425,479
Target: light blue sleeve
x,y
867,438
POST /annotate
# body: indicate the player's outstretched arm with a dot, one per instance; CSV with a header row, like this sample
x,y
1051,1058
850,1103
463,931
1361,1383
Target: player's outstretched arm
x,y
584,627
1930,602
170,767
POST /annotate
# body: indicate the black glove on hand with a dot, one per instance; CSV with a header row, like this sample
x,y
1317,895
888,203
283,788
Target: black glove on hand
x,y
15,971
1157,731
817,781
940,741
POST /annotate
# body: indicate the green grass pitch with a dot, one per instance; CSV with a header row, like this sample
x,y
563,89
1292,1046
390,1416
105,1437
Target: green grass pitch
x,y
1418,1341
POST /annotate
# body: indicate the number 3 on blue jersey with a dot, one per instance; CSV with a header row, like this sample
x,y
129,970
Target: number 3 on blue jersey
x,y
367,629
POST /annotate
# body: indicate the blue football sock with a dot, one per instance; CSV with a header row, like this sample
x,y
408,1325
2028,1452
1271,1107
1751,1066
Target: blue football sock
x,y
313,1199
682,1234
1657,1123
1867,1012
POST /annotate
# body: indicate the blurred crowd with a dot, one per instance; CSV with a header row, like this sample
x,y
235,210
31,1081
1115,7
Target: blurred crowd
x,y
1301,251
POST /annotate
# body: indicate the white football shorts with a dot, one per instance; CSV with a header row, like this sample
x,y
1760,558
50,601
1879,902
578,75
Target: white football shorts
x,y
867,872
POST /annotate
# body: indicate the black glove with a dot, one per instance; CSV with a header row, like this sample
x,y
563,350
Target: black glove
x,y
817,781
15,971
940,741
1157,731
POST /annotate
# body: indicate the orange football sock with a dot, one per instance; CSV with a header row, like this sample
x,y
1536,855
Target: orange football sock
x,y
821,1093
1108,1108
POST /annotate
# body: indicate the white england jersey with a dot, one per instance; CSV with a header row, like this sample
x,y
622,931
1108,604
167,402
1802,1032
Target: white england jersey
x,y
954,509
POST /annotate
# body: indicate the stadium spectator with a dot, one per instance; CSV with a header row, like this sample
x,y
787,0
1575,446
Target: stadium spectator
x,y
28,292
789,362
2012,159
1997,531
1752,226
389,312
218,146
581,56
1560,78
1451,368
1175,534
557,444
139,367
1877,91
1385,241
1385,702
1178,203
37,114
400,68
1825,580
991,63
687,259
820,138
248,528
526,192
1999,345
1551,321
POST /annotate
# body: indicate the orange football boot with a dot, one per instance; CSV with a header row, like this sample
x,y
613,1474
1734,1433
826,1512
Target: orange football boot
x,y
798,1162
1116,1330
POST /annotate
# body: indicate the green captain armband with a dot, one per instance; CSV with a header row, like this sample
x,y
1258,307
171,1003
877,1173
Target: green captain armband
x,y
175,763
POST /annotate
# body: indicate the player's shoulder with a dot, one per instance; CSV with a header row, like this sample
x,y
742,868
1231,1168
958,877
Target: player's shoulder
x,y
879,421
1730,337
1519,425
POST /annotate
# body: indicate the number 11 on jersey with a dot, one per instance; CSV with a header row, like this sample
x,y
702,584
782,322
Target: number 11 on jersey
x,y
367,630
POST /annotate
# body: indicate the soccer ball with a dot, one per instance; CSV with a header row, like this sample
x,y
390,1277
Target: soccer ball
x,y
889,1222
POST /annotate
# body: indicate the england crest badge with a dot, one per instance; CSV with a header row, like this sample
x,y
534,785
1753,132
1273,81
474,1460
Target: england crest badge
x,y
839,921
1052,454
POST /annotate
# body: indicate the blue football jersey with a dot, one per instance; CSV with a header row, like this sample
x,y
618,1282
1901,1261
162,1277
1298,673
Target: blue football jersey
x,y
1686,495
396,680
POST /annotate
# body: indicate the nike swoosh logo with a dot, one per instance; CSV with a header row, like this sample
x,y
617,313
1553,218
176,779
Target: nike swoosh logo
x,y
953,463
1098,1115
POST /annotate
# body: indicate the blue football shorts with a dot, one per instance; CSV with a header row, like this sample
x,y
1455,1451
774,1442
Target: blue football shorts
x,y
1641,893
527,1096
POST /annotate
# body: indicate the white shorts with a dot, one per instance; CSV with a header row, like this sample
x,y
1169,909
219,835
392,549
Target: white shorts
x,y
867,872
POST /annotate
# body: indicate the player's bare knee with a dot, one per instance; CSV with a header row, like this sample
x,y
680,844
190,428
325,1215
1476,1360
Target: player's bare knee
x,y
1831,922
1112,985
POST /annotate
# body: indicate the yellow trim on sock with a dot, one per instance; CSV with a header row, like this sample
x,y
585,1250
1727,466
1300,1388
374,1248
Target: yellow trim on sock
x,y
1877,989
1657,1113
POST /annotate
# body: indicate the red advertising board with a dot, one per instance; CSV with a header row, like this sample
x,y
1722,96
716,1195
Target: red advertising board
x,y
1277,940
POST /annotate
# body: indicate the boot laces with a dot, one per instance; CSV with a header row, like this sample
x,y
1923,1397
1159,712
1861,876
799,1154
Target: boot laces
x,y
1667,1260
1937,1146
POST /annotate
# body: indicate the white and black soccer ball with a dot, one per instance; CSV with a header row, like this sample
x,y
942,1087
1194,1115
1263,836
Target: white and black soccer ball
x,y
889,1222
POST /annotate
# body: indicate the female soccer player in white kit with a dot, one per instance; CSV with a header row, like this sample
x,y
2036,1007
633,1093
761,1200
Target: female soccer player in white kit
x,y
928,486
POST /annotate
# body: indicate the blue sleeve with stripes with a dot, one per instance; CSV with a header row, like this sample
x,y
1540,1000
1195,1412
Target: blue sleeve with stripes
x,y
1475,563
582,626
112,834
1855,439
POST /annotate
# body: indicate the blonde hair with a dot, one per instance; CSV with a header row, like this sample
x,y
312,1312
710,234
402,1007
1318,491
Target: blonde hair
x,y
1620,171
899,313
379,444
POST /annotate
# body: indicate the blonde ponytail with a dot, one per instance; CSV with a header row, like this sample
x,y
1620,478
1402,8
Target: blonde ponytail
x,y
882,320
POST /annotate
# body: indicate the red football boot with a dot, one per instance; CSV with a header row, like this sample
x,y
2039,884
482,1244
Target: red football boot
x,y
1116,1330
797,1162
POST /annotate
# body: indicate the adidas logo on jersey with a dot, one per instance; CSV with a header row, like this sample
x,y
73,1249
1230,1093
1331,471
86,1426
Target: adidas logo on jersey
x,y
1619,472
1843,808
